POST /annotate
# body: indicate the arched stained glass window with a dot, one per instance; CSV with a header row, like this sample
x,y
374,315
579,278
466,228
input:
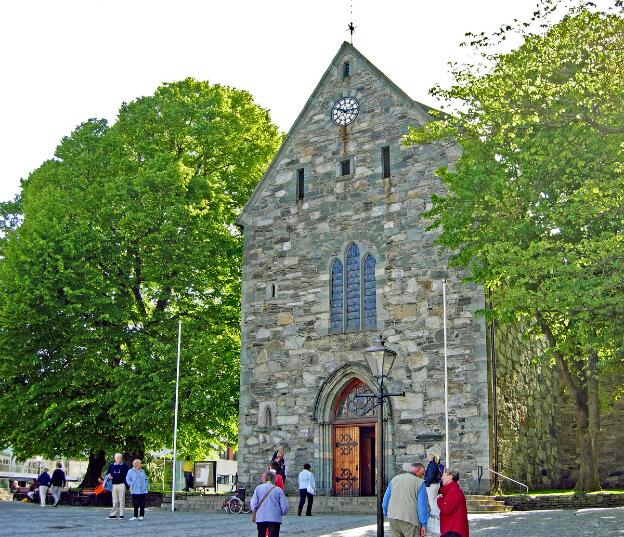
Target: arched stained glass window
x,y
337,295
353,287
370,294
350,405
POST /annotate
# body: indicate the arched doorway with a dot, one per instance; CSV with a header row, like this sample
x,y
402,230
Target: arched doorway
x,y
354,430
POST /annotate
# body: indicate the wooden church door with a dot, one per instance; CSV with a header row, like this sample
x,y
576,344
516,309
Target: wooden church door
x,y
347,461
354,441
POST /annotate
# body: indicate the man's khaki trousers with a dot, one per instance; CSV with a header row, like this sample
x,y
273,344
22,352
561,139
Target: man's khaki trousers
x,y
400,528
119,499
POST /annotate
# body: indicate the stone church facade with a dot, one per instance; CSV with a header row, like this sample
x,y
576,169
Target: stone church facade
x,y
336,250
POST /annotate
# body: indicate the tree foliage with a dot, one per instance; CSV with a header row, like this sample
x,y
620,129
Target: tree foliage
x,y
536,200
129,229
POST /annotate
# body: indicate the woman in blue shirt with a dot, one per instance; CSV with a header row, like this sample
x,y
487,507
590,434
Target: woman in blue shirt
x,y
138,483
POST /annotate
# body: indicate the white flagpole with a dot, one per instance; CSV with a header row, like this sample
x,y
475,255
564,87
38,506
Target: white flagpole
x,y
175,419
445,375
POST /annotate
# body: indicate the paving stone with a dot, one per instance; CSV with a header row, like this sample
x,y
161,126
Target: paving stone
x,y
24,520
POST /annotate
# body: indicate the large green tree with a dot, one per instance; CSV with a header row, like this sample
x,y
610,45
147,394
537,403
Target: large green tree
x,y
129,229
535,204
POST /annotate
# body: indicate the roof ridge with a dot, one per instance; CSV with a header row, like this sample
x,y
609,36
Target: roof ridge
x,y
422,109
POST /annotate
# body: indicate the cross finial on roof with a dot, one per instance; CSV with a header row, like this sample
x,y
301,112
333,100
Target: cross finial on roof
x,y
351,29
351,26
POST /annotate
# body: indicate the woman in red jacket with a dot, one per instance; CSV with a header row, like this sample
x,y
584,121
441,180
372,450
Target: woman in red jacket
x,y
452,504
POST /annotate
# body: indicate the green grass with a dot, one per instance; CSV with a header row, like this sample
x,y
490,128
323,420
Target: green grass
x,y
562,492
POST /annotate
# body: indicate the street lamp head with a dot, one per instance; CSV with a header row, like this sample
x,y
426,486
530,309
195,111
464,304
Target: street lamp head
x,y
379,358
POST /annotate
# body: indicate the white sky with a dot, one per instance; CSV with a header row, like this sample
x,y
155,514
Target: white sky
x,y
64,61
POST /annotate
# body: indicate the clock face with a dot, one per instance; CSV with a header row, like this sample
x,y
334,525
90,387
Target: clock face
x,y
345,111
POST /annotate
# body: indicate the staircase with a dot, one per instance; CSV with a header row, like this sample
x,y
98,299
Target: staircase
x,y
366,505
479,504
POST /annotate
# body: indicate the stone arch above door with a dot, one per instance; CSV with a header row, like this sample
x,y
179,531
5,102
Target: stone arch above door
x,y
333,387
324,413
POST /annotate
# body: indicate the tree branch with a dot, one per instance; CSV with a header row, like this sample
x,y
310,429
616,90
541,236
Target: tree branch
x,y
563,366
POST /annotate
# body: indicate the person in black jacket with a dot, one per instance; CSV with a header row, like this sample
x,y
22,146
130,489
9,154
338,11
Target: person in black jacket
x,y
58,481
278,459
432,477
117,473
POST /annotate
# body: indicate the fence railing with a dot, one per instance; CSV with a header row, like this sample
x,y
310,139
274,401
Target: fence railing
x,y
509,479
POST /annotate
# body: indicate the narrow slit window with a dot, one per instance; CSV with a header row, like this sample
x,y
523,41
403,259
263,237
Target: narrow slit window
x,y
345,167
300,183
273,291
385,162
268,417
346,71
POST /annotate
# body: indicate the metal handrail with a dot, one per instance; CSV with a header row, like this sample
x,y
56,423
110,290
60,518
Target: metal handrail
x,y
509,479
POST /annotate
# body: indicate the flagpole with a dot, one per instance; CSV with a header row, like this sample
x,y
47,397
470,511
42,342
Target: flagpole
x,y
175,419
446,414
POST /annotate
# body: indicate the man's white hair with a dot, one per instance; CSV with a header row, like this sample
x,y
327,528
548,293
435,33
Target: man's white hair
x,y
118,455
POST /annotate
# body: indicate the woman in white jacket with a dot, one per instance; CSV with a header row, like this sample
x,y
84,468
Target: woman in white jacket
x,y
307,489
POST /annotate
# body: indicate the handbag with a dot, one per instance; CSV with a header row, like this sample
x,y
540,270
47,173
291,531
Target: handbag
x,y
253,515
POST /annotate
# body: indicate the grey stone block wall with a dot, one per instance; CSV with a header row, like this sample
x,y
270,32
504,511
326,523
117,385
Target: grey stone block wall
x,y
288,352
528,406
537,434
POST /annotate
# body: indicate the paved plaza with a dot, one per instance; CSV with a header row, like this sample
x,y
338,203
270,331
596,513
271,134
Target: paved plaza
x,y
24,520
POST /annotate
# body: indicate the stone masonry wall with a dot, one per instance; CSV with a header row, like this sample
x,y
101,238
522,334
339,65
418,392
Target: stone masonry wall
x,y
528,395
288,355
537,434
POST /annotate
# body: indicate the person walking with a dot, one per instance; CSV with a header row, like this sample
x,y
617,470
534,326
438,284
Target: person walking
x,y
268,504
136,478
452,504
432,477
117,472
405,503
307,489
44,481
58,481
187,468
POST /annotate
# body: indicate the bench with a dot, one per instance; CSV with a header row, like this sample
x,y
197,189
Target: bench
x,y
87,496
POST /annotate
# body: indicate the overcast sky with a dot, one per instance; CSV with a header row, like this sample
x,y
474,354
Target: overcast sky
x,y
64,61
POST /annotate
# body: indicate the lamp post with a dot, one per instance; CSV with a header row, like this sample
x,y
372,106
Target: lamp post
x,y
380,361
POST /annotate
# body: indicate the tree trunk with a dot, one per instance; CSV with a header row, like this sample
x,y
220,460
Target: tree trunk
x,y
135,449
588,422
587,409
97,460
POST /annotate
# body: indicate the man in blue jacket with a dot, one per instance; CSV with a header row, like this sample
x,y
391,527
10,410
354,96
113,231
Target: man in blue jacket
x,y
117,472
58,481
405,503
44,484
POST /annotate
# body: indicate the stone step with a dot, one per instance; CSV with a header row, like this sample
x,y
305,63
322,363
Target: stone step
x,y
328,504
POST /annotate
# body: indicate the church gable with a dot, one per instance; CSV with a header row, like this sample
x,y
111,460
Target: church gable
x,y
298,164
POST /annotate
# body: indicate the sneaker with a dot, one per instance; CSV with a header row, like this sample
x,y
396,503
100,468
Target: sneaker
x,y
121,517
140,518
133,518
112,517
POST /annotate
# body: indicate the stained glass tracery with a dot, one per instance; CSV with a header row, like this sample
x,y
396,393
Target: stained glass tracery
x,y
352,406
353,287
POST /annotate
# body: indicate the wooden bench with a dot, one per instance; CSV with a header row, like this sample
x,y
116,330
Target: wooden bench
x,y
87,496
